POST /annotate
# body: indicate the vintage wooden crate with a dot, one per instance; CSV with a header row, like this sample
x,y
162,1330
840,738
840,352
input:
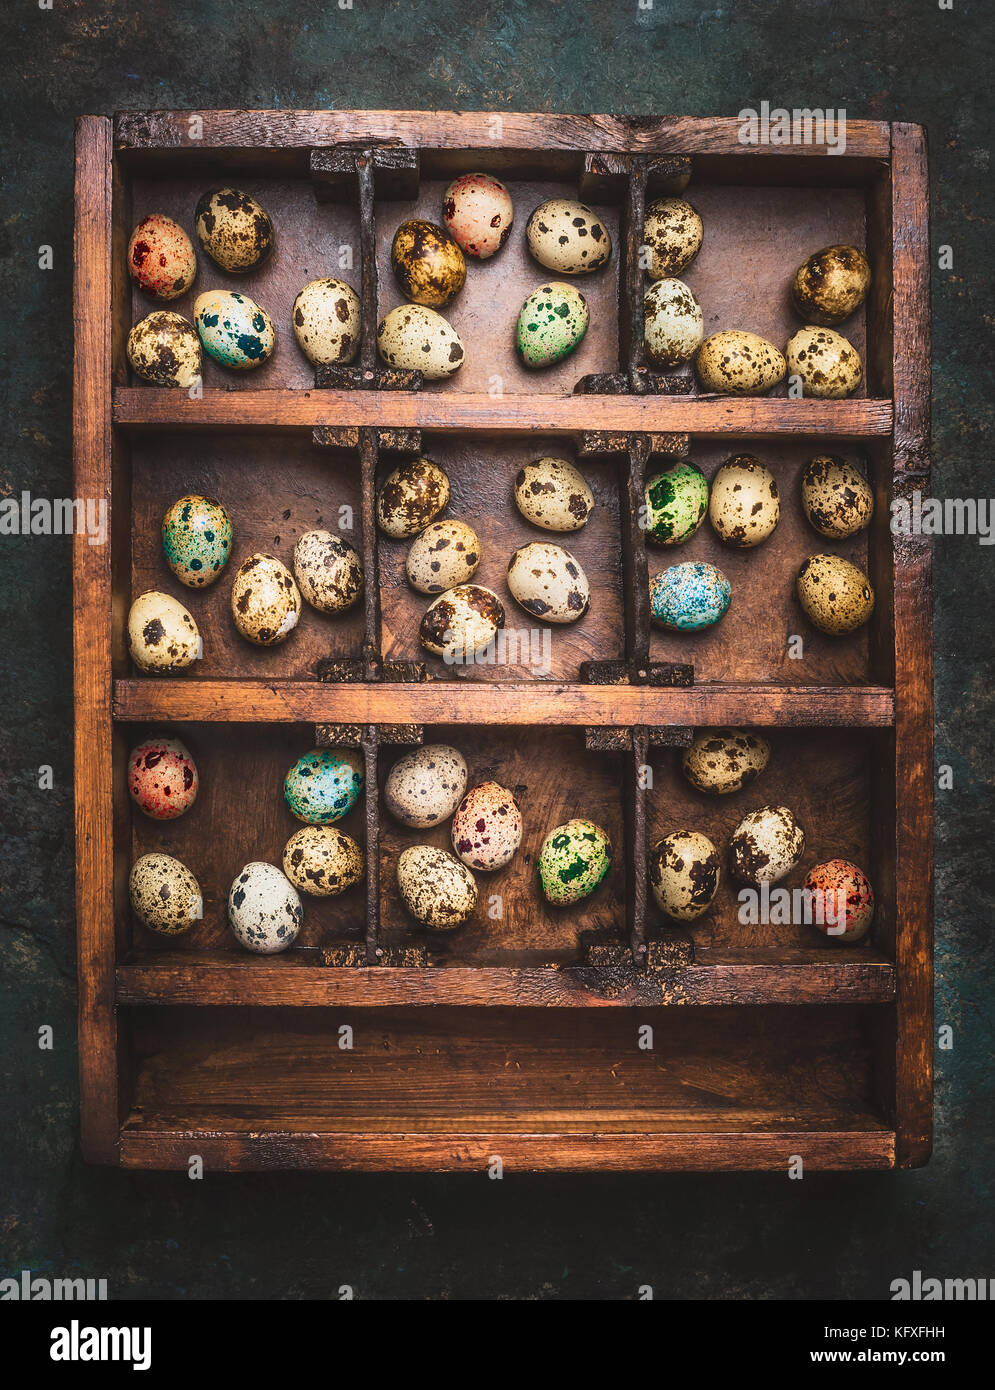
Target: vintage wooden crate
x,y
516,1038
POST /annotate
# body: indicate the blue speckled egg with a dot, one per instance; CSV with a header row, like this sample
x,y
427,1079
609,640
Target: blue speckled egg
x,y
196,540
233,329
324,785
688,597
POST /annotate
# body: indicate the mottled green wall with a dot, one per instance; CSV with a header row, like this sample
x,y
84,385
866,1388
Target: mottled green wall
x,y
456,1237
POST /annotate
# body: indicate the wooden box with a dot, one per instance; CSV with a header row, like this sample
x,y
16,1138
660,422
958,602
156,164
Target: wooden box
x,y
521,1039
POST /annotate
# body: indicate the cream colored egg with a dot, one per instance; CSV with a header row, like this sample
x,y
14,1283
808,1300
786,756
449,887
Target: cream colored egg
x,y
553,494
165,894
673,323
437,889
735,363
672,235
445,555
836,596
323,861
418,339
265,912
425,786
411,497
722,761
765,846
461,622
326,318
827,364
743,504
566,236
162,635
328,570
164,350
265,601
831,285
549,583
684,871
836,496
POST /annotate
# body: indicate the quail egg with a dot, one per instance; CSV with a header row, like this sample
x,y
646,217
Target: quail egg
x,y
684,874
722,761
827,365
324,785
734,363
161,259
672,236
164,350
430,268
445,555
573,860
328,570
744,506
196,540
551,324
675,504
234,229
478,213
689,597
461,623
549,583
567,237
322,861
425,786
420,340
412,496
553,494
164,894
765,846
844,900
162,778
265,601
836,596
264,909
162,636
831,285
673,323
836,496
437,889
487,827
326,318
233,329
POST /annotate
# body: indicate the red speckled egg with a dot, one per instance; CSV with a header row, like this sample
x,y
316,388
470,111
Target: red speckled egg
x,y
487,827
161,257
478,213
846,898
162,778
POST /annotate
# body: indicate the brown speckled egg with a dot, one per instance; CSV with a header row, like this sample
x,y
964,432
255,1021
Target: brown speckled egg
x,y
165,894
428,265
411,497
461,623
549,583
323,861
234,229
328,570
437,889
478,213
326,318
673,323
842,896
445,555
743,505
164,350
265,601
161,258
831,285
487,827
828,365
425,786
684,873
735,363
672,236
765,846
162,777
722,761
567,237
836,596
836,496
553,494
162,636
420,340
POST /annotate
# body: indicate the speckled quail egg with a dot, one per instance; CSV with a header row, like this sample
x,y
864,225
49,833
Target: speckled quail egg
x,y
836,496
161,258
828,365
836,596
437,889
573,860
328,570
162,636
323,861
420,340
744,506
684,873
673,323
165,894
324,785
233,329
487,827
766,845
461,623
196,540
722,761
164,350
553,494
675,503
428,265
265,601
411,497
264,909
551,324
672,236
162,777
567,237
689,597
478,213
425,786
831,285
549,583
843,898
445,555
734,363
326,318
234,229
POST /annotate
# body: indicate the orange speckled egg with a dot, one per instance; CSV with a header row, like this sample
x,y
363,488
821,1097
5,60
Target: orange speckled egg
x,y
487,827
162,778
478,213
161,257
843,898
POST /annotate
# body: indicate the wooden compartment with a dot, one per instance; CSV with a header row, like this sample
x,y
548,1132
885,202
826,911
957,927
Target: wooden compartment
x,y
519,1036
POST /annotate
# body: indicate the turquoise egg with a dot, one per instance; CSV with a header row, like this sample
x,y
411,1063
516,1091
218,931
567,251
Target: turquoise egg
x,y
196,540
552,322
324,785
688,597
233,329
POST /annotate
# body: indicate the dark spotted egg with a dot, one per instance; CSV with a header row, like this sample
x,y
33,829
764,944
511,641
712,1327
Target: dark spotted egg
x,y
329,571
567,237
196,540
549,583
164,894
162,635
234,229
264,909
164,350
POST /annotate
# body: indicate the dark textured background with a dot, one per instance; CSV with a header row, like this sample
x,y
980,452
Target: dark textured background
x,y
457,1237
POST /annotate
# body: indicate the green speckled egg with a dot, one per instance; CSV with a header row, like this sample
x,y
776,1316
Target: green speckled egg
x,y
324,785
233,329
676,503
196,540
574,858
551,324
